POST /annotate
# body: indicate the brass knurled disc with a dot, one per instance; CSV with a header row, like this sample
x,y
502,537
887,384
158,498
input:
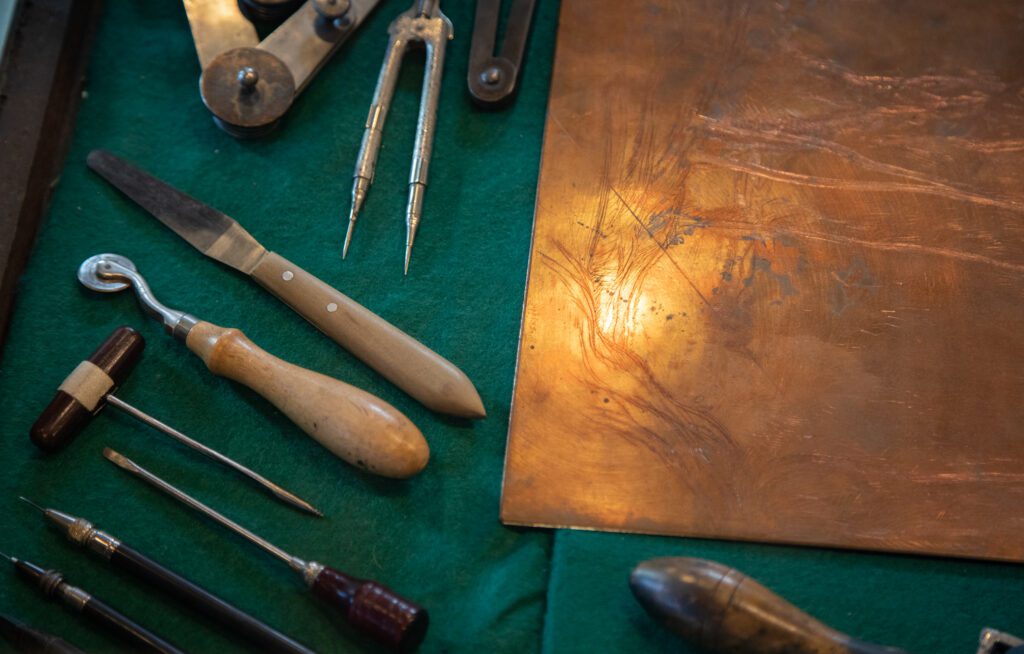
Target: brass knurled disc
x,y
250,108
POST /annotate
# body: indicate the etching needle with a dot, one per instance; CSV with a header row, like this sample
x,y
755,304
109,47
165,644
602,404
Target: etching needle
x,y
53,586
80,531
368,606
278,492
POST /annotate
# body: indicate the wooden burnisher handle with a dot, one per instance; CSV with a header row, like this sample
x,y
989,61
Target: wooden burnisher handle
x,y
720,609
359,427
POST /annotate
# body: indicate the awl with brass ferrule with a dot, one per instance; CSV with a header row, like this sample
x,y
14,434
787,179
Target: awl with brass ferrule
x,y
369,607
408,364
237,622
51,583
358,427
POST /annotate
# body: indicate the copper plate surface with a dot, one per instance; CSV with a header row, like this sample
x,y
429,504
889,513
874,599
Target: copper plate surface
x,y
775,289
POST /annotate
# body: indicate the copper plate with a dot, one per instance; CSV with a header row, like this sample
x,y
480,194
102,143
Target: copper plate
x,y
775,290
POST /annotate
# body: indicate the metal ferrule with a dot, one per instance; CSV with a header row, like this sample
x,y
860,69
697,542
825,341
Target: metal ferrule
x,y
183,326
177,323
310,571
50,582
74,597
83,533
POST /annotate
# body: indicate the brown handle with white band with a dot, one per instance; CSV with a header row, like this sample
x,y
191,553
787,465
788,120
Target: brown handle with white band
x,y
408,364
82,393
359,427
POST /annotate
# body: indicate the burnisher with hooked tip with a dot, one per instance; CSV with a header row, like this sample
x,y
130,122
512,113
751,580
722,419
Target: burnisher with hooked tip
x,y
91,386
361,428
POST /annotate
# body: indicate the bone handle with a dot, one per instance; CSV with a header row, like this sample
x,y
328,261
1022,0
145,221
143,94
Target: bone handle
x,y
358,427
404,361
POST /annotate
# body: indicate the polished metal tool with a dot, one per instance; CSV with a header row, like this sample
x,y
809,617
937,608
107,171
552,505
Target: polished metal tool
x,y
249,84
424,23
238,623
992,641
720,609
493,79
91,386
368,606
358,427
24,638
419,371
53,586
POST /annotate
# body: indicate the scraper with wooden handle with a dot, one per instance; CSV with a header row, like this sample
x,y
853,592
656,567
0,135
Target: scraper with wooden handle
x,y
419,371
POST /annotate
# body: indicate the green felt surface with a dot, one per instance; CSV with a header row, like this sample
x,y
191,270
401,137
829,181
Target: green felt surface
x,y
435,538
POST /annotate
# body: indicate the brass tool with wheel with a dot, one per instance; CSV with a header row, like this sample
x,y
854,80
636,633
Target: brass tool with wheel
x,y
247,84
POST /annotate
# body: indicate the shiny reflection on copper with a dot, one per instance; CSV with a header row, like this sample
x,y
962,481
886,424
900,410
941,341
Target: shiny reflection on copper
x,y
776,277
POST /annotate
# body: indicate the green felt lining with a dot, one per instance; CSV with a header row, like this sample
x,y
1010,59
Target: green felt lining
x,y
435,538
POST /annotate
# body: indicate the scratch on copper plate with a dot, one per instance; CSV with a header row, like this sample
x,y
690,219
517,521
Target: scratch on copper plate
x,y
779,135
854,185
555,120
974,477
991,147
682,273
909,247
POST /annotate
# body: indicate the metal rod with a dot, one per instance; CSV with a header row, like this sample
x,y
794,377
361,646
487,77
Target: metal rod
x,y
140,472
277,491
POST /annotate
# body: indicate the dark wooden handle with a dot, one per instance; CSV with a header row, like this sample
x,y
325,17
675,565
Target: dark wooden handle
x,y
261,636
81,395
33,641
374,609
720,609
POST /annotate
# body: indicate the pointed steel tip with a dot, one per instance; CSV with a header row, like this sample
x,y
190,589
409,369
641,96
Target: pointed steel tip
x,y
348,237
31,503
297,502
8,557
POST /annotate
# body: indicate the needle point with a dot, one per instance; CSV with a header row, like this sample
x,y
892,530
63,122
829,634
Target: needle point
x,y
31,503
8,557
348,237
410,235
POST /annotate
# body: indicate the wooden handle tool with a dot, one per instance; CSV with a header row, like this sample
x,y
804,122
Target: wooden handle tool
x,y
369,607
720,609
412,366
361,428
419,371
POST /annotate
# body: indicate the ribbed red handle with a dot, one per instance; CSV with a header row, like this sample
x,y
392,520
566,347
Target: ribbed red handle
x,y
373,609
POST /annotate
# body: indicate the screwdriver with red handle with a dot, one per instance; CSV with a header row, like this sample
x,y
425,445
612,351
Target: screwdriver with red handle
x,y
369,607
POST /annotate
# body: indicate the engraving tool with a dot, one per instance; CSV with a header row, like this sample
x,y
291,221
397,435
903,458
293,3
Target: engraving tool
x,y
358,427
368,606
121,556
53,586
91,386
408,364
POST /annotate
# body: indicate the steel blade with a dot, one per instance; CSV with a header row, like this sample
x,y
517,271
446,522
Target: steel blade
x,y
211,232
